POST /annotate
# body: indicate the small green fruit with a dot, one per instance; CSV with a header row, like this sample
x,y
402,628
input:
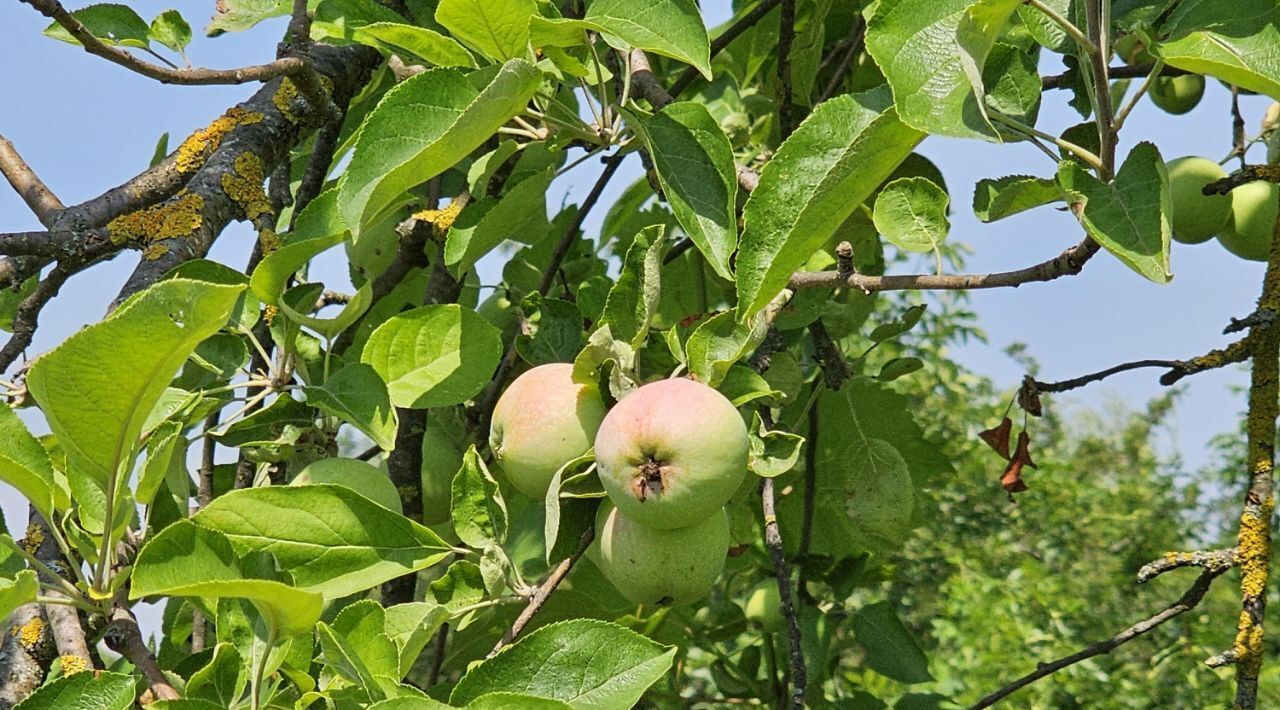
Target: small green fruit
x,y
672,453
652,566
543,421
1177,94
1253,217
1133,50
363,478
1196,216
441,460
498,310
764,607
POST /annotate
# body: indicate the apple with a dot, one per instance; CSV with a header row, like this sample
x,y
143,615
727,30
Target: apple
x,y
363,478
498,310
1177,94
1133,50
543,421
672,453
1196,216
1247,233
441,459
764,607
652,566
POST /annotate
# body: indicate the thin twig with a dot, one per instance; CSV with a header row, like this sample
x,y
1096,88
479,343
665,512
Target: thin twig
x,y
1185,603
786,37
485,404
857,33
724,39
544,591
773,541
1219,560
28,185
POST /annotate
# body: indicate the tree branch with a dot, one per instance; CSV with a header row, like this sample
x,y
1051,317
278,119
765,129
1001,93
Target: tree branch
x,y
724,39
125,638
1213,560
25,653
1068,263
786,36
1185,603
25,318
28,185
544,591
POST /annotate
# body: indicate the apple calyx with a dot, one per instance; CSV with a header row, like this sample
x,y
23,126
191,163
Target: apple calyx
x,y
652,480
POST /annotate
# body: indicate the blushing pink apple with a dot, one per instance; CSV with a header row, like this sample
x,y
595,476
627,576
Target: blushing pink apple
x,y
672,453
543,421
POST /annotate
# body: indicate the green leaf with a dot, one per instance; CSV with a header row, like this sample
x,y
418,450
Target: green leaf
x,y
499,29
111,23
171,30
11,298
222,680
584,662
25,464
461,587
631,303
421,128
773,452
358,396
484,225
1236,42
240,15
434,356
885,414
188,560
410,627
479,511
553,331
329,538
891,651
370,23
898,326
819,176
1009,195
720,342
1130,216
98,690
272,274
694,162
863,488
357,641
22,589
1013,85
672,28
99,386
899,367
362,477
912,214
932,52
270,433
742,385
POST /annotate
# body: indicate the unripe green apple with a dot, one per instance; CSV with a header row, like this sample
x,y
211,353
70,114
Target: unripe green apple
x,y
652,566
543,421
1253,217
441,459
764,607
1133,50
1177,94
498,310
672,453
1196,217
363,478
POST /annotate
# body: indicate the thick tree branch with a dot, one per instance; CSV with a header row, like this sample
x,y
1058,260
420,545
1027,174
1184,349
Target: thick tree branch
x,y
544,591
64,620
25,653
1254,537
1185,603
125,638
28,185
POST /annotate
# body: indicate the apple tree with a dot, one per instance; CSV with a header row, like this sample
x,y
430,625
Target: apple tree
x,y
667,461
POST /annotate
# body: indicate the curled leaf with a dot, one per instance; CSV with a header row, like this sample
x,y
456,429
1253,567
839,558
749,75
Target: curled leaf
x,y
997,437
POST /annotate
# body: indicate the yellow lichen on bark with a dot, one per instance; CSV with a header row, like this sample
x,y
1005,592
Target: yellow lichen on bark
x,y
200,145
73,664
34,538
178,217
442,219
29,634
244,185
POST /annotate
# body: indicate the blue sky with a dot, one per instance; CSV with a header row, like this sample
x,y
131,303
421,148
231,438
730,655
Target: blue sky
x,y
86,125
